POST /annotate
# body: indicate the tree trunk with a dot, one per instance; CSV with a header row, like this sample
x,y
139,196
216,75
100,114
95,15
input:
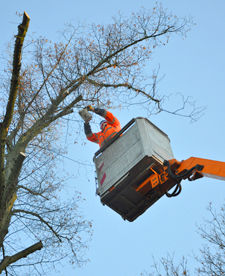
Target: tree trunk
x,y
8,189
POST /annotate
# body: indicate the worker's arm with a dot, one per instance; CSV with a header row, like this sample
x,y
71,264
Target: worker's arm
x,y
110,118
93,137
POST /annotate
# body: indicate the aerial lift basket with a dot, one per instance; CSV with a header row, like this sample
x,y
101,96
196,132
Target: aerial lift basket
x,y
126,161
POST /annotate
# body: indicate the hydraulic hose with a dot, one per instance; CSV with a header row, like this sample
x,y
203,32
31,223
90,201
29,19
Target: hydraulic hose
x,y
176,192
185,175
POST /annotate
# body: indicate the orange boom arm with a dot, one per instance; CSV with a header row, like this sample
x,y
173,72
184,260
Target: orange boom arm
x,y
172,172
210,168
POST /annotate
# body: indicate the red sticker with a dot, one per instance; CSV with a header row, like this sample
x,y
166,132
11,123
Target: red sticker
x,y
103,179
99,169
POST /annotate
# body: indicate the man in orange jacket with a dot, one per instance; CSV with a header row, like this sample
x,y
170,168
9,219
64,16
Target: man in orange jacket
x,y
109,127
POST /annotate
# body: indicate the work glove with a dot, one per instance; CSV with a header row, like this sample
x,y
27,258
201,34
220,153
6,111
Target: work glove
x,y
100,111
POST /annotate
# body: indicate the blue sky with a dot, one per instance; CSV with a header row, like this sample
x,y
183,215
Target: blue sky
x,y
194,66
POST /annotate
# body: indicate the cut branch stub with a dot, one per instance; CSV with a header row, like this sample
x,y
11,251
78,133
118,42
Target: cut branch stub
x,y
22,254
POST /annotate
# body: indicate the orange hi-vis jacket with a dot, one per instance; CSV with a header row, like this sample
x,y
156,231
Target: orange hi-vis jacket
x,y
111,129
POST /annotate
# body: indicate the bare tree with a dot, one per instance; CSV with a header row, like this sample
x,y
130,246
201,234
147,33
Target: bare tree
x,y
167,266
211,259
97,64
212,254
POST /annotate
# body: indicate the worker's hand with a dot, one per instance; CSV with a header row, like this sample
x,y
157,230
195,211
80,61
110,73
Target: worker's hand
x,y
90,108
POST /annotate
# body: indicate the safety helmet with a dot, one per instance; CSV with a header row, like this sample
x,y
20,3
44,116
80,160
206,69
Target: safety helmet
x,y
103,124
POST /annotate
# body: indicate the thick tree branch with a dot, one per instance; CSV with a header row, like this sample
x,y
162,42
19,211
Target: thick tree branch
x,y
67,109
2,160
11,180
115,53
128,86
9,196
22,254
5,206
32,192
122,49
47,119
40,218
22,30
